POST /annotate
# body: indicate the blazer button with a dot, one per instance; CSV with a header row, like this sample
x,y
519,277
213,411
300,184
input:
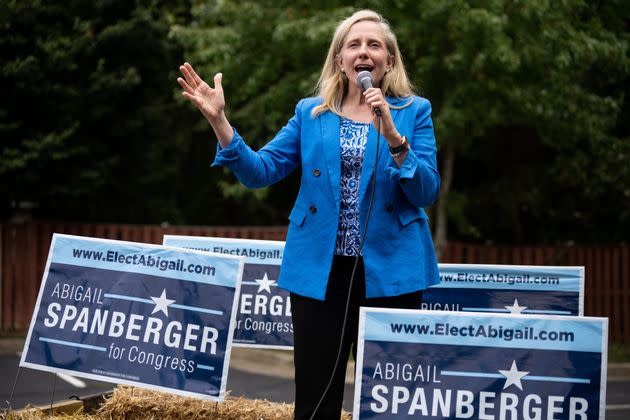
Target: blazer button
x,y
316,172
389,208
313,209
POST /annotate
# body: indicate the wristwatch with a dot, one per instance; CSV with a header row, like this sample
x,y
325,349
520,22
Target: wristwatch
x,y
404,145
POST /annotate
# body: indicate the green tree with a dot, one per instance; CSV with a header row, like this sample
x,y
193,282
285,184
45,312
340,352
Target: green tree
x,y
529,104
518,108
524,98
89,127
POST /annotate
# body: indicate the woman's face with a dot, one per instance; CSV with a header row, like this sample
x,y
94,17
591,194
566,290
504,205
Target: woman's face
x,y
364,49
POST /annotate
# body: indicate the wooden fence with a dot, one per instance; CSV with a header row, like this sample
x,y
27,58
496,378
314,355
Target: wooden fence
x,y
24,250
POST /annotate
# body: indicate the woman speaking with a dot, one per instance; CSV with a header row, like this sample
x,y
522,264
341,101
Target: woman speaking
x,y
358,234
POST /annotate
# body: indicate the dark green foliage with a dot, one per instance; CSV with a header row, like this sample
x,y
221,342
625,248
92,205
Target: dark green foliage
x,y
531,97
89,127
528,94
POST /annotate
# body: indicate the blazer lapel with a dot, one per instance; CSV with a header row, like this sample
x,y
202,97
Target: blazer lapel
x,y
330,123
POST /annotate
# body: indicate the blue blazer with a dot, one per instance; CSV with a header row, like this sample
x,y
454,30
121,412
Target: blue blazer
x,y
398,250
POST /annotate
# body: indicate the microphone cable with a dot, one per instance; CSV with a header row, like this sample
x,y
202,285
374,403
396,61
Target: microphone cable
x,y
354,269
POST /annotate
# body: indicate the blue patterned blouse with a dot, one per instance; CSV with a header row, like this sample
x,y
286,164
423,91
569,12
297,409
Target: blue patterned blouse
x,y
353,136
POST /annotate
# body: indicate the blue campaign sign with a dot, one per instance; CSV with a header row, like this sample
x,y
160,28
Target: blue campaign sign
x,y
454,365
514,289
264,311
136,314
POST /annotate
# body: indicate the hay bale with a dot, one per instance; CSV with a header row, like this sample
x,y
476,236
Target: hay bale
x,y
39,413
137,403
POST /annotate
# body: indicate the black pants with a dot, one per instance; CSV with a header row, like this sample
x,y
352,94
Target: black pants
x,y
317,335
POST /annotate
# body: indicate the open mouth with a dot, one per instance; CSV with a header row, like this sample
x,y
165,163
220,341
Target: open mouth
x,y
363,67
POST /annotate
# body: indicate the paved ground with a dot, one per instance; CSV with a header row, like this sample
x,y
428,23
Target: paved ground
x,y
258,374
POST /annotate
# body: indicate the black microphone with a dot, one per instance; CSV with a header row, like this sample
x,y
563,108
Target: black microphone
x,y
364,80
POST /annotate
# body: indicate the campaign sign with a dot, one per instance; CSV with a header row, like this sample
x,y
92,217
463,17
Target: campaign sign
x,y
454,365
136,314
264,311
513,289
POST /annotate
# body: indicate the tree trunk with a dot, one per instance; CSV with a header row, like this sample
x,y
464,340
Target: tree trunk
x,y
441,225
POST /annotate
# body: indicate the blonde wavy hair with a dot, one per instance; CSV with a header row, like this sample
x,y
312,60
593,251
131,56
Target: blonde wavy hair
x,y
333,83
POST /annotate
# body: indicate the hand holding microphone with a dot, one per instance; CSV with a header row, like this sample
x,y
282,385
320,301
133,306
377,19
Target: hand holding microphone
x,y
376,101
365,80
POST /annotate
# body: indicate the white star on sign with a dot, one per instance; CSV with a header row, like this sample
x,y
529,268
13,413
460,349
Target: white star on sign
x,y
162,303
513,376
265,284
515,308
